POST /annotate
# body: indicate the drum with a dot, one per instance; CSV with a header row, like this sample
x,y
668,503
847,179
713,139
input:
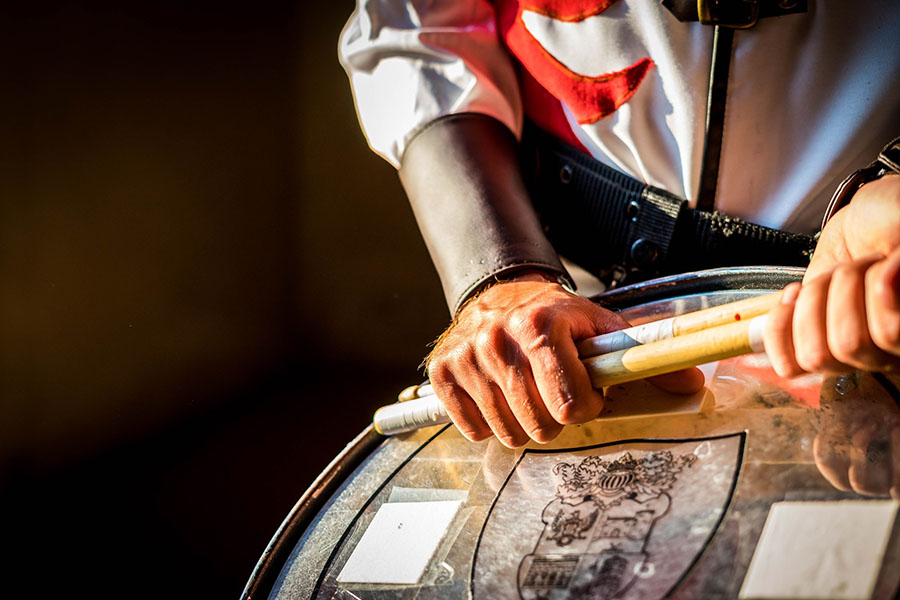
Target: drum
x,y
756,487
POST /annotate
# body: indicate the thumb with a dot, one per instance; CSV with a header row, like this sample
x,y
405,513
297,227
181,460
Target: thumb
x,y
685,381
596,320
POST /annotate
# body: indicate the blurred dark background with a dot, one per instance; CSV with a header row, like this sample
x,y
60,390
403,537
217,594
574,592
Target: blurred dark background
x,y
207,284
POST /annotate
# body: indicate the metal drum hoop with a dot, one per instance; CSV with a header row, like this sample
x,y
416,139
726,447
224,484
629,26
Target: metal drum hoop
x,y
352,458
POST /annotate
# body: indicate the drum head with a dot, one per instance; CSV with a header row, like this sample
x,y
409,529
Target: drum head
x,y
756,487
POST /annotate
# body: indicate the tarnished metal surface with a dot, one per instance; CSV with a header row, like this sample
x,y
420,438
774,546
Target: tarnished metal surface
x,y
660,496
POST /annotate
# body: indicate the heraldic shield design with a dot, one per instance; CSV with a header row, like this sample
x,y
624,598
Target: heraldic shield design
x,y
623,520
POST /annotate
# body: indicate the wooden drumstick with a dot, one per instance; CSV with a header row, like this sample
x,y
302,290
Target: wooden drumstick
x,y
631,364
665,356
677,326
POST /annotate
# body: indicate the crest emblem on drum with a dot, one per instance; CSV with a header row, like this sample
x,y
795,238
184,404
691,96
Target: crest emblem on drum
x,y
617,521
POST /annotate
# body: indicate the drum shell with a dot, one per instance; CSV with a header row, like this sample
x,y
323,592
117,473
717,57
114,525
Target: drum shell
x,y
777,430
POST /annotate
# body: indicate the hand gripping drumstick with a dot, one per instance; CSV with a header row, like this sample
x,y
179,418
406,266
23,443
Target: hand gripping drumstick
x,y
629,354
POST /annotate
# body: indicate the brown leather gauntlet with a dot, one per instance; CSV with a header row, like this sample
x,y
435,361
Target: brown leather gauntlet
x,y
464,183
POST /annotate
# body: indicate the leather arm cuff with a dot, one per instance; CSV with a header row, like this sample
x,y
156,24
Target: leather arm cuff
x,y
464,183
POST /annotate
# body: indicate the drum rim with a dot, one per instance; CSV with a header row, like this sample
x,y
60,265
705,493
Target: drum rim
x,y
699,282
279,548
271,563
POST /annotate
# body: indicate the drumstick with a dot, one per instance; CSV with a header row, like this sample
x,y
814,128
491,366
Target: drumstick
x,y
716,343
689,350
678,325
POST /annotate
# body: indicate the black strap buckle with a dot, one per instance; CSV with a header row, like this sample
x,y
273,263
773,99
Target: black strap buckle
x,y
734,14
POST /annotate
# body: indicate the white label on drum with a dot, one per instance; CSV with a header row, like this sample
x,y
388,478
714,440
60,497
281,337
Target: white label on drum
x,y
399,542
405,494
820,550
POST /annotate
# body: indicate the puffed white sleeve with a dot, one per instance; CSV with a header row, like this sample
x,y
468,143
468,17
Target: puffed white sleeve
x,y
411,62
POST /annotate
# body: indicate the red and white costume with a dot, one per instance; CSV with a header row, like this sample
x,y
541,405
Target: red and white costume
x,y
811,96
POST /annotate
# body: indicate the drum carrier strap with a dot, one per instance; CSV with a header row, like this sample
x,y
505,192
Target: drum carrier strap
x,y
725,16
621,229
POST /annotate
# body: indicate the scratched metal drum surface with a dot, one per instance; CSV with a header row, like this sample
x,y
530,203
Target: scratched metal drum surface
x,y
662,496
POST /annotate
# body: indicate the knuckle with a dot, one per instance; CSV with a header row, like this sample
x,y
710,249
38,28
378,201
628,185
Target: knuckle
x,y
539,320
439,371
511,440
459,359
852,349
887,337
510,378
544,433
813,359
787,369
520,323
569,415
476,434
569,411
781,359
844,272
483,339
490,339
883,290
813,278
539,342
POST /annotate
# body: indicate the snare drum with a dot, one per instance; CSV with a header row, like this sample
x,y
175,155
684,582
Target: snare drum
x,y
756,487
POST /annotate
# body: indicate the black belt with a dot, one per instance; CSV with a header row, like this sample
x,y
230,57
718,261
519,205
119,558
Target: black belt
x,y
620,228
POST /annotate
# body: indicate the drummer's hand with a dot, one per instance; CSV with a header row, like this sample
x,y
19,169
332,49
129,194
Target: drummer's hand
x,y
509,364
846,315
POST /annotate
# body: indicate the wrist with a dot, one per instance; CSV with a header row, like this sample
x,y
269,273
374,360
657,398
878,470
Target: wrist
x,y
887,163
528,274
540,275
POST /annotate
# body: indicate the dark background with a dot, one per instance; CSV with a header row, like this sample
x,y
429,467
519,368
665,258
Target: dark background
x,y
207,284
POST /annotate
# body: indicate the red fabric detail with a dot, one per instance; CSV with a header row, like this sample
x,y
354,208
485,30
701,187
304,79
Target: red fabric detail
x,y
546,112
589,98
567,10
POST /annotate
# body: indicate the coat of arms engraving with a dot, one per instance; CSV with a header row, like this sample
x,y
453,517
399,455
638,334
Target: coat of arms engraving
x,y
620,521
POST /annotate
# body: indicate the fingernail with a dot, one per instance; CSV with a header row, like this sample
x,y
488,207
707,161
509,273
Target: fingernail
x,y
790,293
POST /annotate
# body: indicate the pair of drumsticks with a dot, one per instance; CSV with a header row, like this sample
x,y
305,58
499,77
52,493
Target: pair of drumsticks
x,y
637,352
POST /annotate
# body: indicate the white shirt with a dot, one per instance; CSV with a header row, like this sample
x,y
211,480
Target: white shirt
x,y
811,96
